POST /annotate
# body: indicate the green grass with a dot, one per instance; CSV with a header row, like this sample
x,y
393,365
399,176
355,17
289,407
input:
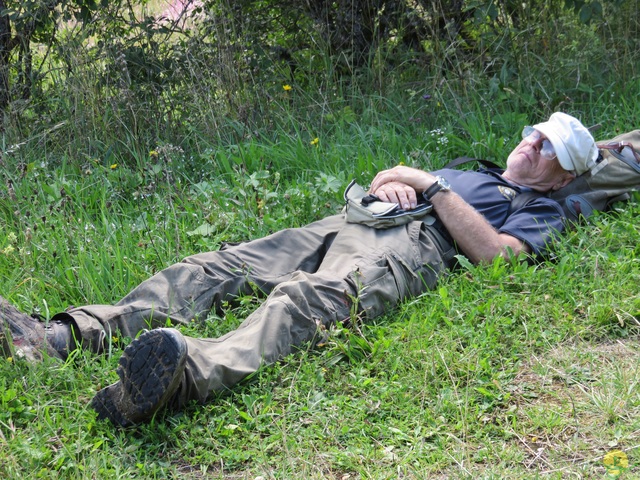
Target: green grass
x,y
504,371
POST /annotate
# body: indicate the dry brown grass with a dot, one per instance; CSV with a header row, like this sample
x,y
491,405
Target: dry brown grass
x,y
566,401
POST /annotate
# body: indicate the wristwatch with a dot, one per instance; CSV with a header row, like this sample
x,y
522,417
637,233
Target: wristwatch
x,y
440,185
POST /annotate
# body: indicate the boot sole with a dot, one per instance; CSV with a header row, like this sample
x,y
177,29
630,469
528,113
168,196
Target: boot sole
x,y
150,371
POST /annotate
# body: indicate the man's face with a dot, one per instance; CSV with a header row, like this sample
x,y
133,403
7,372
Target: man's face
x,y
533,164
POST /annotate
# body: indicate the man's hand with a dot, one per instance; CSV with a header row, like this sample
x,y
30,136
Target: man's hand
x,y
397,192
400,185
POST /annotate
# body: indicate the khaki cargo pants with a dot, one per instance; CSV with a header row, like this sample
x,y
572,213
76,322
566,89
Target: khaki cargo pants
x,y
312,275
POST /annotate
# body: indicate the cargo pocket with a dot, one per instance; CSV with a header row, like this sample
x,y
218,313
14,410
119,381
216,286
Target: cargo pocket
x,y
182,291
380,285
407,268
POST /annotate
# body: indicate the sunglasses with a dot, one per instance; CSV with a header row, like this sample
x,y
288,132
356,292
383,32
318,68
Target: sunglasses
x,y
547,151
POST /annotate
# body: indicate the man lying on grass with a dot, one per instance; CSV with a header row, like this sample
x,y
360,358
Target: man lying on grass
x,y
314,276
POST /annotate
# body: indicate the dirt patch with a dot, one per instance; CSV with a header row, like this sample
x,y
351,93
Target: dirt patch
x,y
576,404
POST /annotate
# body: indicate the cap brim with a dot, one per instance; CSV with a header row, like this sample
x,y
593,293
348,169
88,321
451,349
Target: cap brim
x,y
564,158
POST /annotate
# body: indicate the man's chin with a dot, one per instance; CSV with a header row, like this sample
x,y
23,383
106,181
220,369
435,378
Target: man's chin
x,y
519,161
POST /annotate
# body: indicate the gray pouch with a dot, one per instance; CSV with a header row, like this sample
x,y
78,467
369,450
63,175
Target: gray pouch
x,y
367,209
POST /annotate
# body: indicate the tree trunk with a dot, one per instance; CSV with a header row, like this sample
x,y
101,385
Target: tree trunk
x,y
7,44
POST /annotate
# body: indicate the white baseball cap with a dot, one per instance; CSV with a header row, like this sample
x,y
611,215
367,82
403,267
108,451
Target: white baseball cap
x,y
574,145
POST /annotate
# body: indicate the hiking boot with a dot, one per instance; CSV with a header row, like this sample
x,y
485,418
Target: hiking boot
x,y
150,370
26,337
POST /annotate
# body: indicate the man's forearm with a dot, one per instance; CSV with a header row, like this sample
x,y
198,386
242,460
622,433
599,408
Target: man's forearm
x,y
471,231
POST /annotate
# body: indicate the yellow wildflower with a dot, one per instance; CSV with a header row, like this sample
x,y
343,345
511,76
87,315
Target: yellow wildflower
x,y
114,166
286,87
616,461
153,154
315,141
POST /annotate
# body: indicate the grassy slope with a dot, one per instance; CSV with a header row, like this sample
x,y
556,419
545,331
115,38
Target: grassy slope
x,y
507,371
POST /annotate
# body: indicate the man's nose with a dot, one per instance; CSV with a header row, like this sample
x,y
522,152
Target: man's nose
x,y
535,142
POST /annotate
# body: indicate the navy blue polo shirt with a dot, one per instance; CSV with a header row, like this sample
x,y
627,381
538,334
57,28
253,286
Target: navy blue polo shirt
x,y
536,223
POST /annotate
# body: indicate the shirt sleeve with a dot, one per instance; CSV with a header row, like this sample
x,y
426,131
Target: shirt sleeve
x,y
538,224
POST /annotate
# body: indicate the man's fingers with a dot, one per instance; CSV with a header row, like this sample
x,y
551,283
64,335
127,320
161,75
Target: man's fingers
x,y
413,178
399,193
379,180
383,196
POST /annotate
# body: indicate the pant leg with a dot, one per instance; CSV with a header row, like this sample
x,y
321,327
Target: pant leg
x,y
375,268
191,288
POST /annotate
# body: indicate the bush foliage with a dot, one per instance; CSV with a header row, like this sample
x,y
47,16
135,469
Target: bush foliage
x,y
109,79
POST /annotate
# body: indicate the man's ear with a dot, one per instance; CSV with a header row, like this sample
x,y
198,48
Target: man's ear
x,y
566,179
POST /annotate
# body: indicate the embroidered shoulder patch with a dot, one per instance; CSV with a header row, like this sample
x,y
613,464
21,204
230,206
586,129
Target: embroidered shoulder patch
x,y
507,192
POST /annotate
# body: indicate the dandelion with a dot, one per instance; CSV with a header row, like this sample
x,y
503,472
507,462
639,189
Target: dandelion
x,y
153,154
113,166
315,141
286,88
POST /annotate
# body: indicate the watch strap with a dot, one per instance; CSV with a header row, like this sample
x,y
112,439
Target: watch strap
x,y
433,189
